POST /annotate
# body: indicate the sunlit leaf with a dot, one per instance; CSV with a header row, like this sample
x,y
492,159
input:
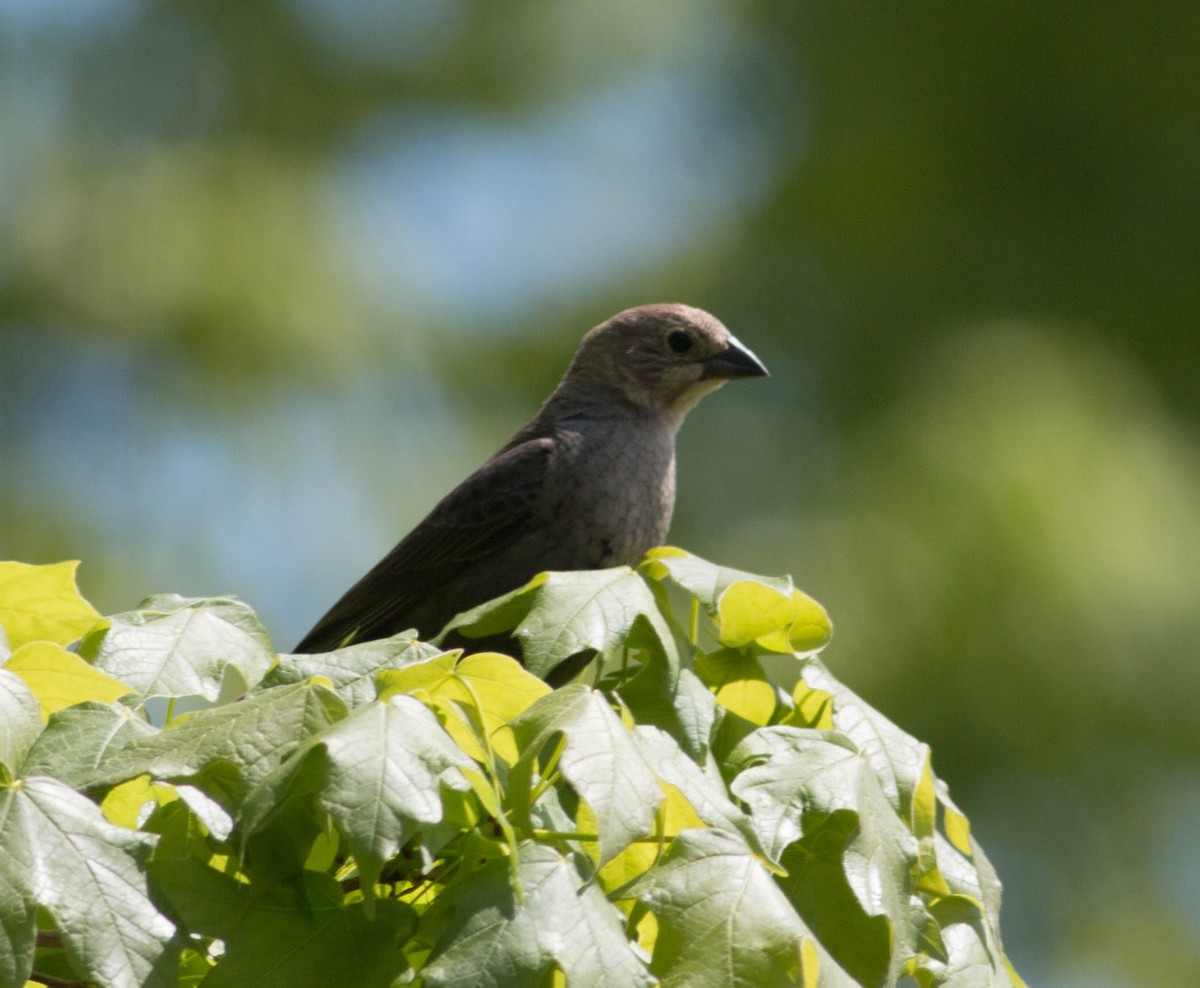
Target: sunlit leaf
x,y
42,603
377,776
252,736
560,615
59,678
599,759
62,855
740,684
20,719
175,646
351,670
494,688
79,738
722,920
703,788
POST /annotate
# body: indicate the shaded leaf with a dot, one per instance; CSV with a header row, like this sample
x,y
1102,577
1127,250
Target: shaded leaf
x,y
817,886
288,935
42,603
487,938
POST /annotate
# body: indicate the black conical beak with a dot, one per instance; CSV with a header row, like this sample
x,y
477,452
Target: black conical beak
x,y
734,361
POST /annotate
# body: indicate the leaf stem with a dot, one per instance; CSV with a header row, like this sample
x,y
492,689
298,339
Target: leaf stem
x,y
546,780
566,835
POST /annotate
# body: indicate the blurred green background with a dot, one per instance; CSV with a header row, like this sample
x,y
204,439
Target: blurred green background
x,y
275,275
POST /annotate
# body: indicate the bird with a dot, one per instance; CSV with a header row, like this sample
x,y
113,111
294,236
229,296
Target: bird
x,y
588,483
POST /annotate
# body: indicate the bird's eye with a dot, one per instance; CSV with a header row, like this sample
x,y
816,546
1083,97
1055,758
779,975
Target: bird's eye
x,y
679,341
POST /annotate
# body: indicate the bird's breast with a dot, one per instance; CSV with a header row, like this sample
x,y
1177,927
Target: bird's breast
x,y
614,496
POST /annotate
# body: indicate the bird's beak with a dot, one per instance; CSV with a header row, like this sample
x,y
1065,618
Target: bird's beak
x,y
735,360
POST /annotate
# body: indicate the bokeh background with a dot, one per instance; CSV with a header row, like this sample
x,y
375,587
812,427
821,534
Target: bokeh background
x,y
275,275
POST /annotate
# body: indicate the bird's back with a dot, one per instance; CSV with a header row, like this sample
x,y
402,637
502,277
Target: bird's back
x,y
579,490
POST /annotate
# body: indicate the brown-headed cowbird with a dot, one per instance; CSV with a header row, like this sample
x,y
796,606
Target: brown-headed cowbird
x,y
588,483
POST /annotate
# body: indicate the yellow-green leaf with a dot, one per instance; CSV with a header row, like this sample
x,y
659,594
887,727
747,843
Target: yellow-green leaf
x,y
924,804
810,963
42,603
123,803
749,610
811,628
814,708
60,679
676,814
955,824
501,686
740,684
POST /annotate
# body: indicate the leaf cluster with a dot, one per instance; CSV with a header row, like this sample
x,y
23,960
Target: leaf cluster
x,y
704,806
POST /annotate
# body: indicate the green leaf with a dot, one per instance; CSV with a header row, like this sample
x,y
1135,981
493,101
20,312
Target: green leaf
x,y
352,669
78,739
253,736
599,759
59,853
794,772
42,603
287,935
722,920
175,646
20,720
897,759
382,770
558,615
817,886
60,679
488,937
972,961
685,708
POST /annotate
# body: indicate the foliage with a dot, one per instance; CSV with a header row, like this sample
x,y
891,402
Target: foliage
x,y
395,813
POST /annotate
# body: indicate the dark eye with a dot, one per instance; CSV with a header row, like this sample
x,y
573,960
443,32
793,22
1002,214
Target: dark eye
x,y
679,341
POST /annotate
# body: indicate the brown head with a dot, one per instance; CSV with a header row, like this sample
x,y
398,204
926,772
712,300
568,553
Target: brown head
x,y
662,358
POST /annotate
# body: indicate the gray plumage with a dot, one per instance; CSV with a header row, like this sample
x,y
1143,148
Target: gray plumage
x,y
588,483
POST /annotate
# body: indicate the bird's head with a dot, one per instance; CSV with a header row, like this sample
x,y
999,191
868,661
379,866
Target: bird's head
x,y
662,358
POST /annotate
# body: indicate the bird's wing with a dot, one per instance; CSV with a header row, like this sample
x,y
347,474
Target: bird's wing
x,y
483,515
